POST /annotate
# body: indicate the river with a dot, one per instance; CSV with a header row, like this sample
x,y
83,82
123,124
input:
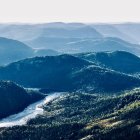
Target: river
x,y
28,113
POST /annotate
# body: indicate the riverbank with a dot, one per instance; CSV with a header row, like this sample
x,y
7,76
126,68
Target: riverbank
x,y
29,113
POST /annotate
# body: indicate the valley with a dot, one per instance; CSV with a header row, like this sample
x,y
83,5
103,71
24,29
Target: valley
x,y
69,81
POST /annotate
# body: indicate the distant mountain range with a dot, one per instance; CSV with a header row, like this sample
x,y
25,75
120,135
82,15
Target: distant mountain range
x,y
103,44
77,45
25,32
13,50
81,32
110,30
66,38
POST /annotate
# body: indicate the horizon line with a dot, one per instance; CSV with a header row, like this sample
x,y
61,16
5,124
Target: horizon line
x,y
73,22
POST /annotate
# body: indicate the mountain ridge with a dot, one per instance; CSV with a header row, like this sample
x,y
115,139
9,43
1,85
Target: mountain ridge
x,y
66,73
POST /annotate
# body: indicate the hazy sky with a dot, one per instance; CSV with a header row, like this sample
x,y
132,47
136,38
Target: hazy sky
x,y
69,10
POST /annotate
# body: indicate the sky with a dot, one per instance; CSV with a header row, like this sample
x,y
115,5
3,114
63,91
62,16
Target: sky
x,y
88,11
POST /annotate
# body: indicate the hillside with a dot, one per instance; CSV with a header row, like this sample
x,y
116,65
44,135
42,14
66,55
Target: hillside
x,y
119,61
97,79
14,98
122,123
66,73
84,116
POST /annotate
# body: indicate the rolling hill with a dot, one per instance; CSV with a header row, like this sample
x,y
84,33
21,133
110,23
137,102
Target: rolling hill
x,y
66,73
